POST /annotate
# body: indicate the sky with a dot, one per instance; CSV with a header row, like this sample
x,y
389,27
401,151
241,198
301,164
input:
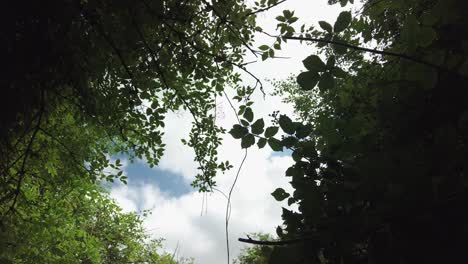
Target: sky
x,y
191,225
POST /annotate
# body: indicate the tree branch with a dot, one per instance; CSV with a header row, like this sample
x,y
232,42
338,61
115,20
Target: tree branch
x,y
374,51
271,243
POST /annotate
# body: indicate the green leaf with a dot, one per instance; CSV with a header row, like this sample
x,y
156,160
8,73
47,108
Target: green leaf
x,y
308,80
294,172
238,131
279,194
314,63
287,124
261,142
289,142
245,122
338,72
326,26
248,114
271,131
257,127
275,144
342,22
247,141
264,47
303,131
327,82
343,3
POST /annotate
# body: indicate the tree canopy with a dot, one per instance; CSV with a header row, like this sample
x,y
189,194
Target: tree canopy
x,y
85,80
380,147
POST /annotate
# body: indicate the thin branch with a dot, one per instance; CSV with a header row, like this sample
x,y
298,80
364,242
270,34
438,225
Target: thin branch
x,y
228,206
374,51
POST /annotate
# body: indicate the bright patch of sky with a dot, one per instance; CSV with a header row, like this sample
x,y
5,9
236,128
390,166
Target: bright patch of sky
x,y
195,225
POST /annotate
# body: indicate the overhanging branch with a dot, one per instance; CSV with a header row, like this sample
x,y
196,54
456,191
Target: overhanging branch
x,y
374,51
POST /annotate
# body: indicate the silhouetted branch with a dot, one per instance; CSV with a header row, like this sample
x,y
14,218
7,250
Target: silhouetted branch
x,y
374,51
271,243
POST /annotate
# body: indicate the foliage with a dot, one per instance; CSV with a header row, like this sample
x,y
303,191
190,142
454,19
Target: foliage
x,y
380,152
84,80
75,223
255,254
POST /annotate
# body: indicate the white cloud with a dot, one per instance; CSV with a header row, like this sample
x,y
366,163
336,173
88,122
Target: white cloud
x,y
178,219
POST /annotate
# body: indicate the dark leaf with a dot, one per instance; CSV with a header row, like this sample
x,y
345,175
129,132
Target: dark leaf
x,y
248,114
327,82
314,63
275,144
342,22
247,141
257,127
261,142
286,124
308,80
238,131
271,131
279,194
326,26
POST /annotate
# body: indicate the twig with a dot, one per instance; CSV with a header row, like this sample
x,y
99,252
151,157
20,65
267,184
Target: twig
x,y
264,9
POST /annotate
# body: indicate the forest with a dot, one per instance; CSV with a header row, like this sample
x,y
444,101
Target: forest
x,y
377,138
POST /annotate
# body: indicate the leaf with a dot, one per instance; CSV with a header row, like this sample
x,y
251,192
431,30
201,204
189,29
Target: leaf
x,y
296,155
263,47
286,124
248,114
326,26
257,127
238,131
308,80
294,172
280,194
338,72
289,141
271,131
337,48
327,82
275,144
343,3
279,231
303,131
261,142
342,22
245,122
314,63
247,141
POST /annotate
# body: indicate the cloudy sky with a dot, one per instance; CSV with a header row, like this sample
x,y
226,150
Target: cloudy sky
x,y
181,215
